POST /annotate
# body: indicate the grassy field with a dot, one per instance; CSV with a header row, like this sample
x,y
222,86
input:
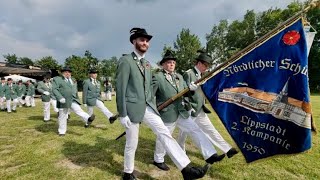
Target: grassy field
x,y
31,149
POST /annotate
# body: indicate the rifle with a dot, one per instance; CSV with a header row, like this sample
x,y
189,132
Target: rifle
x,y
239,55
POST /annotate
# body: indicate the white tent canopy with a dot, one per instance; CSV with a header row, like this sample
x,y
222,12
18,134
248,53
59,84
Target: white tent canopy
x,y
16,78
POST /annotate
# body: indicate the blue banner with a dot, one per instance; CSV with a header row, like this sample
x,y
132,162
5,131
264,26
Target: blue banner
x,y
263,98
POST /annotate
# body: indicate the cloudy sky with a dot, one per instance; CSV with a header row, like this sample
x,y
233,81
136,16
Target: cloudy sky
x,y
60,28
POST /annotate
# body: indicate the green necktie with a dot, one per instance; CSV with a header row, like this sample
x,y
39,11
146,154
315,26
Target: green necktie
x,y
142,63
68,80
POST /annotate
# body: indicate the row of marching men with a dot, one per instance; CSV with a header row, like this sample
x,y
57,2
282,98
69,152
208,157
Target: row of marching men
x,y
16,94
62,93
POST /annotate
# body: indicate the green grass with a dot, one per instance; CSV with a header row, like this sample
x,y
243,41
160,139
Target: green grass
x,y
31,149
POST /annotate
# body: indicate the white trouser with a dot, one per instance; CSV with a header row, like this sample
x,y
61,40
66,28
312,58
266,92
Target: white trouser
x,y
177,155
46,109
108,96
33,104
30,101
102,108
63,116
20,101
54,105
2,100
206,126
14,106
198,137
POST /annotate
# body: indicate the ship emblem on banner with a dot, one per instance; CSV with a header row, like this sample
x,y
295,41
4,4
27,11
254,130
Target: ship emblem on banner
x,y
263,97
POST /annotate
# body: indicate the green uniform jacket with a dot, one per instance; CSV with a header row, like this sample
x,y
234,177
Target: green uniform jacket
x,y
10,91
109,88
62,89
197,99
133,88
31,90
91,92
21,90
2,87
42,87
164,89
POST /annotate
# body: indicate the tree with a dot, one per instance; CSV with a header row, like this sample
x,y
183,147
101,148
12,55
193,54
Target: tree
x,y
26,61
226,39
186,47
242,33
79,66
47,62
216,41
93,61
109,67
11,59
314,63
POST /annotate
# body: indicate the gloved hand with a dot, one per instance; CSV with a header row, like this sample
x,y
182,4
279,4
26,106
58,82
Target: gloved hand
x,y
46,93
191,111
63,100
4,98
85,105
125,121
193,86
33,95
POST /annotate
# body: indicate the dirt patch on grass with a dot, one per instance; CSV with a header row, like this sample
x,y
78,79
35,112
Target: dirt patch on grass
x,y
100,126
155,173
4,137
15,168
68,164
5,151
33,131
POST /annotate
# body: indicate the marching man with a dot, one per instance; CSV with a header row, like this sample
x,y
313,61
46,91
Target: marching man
x,y
45,88
2,94
21,90
30,94
166,84
135,104
11,95
199,110
108,90
92,94
65,90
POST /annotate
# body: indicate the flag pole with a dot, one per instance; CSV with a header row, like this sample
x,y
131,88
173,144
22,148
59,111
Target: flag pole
x,y
240,54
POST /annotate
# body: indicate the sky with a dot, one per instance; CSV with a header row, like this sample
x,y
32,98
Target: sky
x,y
61,28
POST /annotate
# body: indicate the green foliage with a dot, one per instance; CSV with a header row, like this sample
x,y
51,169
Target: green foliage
x,y
314,63
216,41
185,47
79,65
47,62
12,59
93,61
26,61
109,67
226,38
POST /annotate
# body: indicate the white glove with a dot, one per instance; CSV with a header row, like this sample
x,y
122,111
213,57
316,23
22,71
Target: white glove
x,y
4,98
46,93
33,95
193,86
63,100
191,111
125,121
85,105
